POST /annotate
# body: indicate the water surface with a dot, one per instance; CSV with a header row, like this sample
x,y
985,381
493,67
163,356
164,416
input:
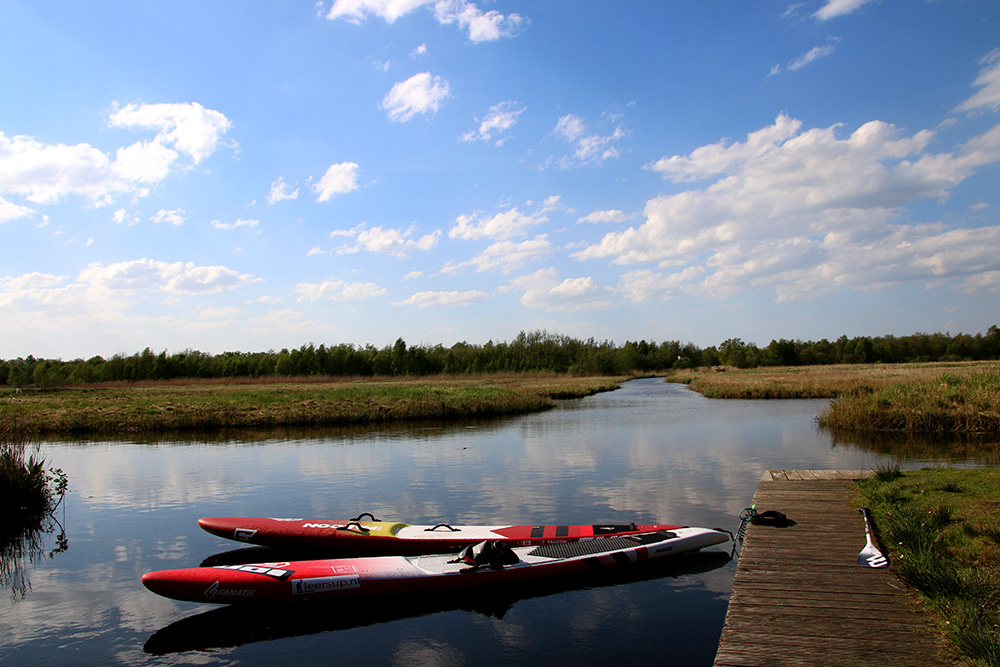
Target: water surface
x,y
650,453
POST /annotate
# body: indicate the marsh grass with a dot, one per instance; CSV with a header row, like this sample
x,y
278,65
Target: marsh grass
x,y
187,406
951,397
950,403
30,491
941,529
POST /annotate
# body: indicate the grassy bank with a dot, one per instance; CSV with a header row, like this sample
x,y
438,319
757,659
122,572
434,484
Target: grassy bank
x,y
192,405
941,529
949,403
949,397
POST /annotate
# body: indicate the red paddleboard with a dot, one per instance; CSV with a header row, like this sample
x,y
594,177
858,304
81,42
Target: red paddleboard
x,y
484,564
390,538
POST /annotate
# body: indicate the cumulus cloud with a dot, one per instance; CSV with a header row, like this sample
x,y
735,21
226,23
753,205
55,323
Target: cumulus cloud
x,y
497,123
45,173
504,255
338,290
420,94
506,225
481,26
338,179
189,128
280,191
175,278
396,242
804,211
612,215
543,289
439,299
11,211
835,8
175,217
988,82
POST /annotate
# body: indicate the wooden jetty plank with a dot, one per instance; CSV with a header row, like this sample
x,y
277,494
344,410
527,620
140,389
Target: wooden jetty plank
x,y
799,597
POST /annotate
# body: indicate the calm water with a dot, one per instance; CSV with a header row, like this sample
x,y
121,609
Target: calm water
x,y
650,452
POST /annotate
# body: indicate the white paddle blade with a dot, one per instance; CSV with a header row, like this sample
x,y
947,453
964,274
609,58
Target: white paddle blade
x,y
870,556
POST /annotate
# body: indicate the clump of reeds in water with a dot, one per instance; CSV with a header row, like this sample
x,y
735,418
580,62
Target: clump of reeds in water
x,y
30,491
947,404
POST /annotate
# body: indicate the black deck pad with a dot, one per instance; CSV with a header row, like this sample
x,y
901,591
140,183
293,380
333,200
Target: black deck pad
x,y
587,547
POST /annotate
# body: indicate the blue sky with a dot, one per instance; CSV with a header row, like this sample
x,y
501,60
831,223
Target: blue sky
x,y
259,175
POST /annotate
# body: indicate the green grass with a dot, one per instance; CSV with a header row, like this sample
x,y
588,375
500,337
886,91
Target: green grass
x,y
941,528
942,398
177,406
950,403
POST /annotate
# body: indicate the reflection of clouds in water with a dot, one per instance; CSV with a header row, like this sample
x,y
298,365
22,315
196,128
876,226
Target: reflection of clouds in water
x,y
674,457
418,653
153,477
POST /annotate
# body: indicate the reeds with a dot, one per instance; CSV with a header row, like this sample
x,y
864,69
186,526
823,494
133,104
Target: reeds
x,y
209,406
28,489
957,397
950,403
942,534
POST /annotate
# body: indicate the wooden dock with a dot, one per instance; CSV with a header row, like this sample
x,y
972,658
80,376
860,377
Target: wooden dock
x,y
800,598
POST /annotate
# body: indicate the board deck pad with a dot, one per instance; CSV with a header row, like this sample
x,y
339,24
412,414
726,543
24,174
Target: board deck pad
x,y
376,537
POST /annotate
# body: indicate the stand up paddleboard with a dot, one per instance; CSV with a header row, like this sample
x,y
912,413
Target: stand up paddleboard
x,y
389,538
484,564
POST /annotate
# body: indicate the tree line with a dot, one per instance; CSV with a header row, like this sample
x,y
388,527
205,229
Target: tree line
x,y
536,351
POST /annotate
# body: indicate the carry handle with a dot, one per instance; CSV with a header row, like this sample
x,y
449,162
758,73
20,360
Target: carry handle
x,y
365,514
441,525
356,524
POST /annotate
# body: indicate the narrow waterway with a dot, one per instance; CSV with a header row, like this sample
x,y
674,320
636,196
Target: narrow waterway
x,y
649,453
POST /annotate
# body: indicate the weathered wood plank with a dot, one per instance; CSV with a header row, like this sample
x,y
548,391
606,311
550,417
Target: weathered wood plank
x,y
799,597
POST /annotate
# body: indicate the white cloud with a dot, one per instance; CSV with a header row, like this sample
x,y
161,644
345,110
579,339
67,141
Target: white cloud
x,y
250,224
175,217
802,212
418,52
543,289
280,191
174,278
504,255
438,299
835,8
122,216
808,58
190,128
501,226
338,290
390,241
612,215
356,11
45,173
588,148
11,211
481,26
338,179
497,123
988,82
420,94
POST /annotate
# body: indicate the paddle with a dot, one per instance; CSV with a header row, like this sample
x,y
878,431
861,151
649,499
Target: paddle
x,y
870,556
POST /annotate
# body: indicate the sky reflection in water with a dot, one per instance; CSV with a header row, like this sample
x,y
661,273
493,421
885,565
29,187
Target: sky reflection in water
x,y
650,452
